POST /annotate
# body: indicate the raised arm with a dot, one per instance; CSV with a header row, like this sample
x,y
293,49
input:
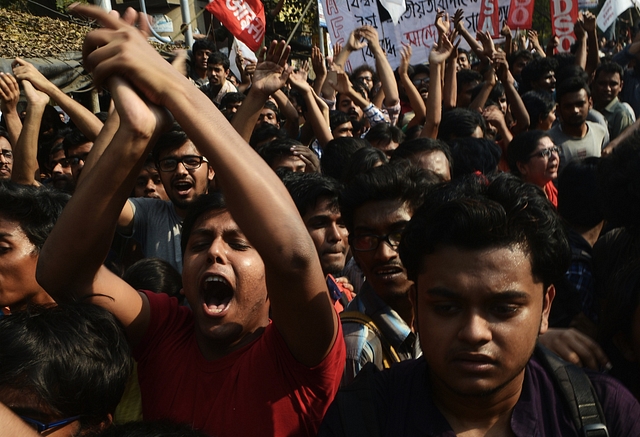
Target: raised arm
x,y
458,21
414,96
314,115
383,68
437,58
508,39
319,68
256,197
518,110
9,96
247,116
535,40
593,56
70,263
84,119
25,153
581,43
450,89
290,113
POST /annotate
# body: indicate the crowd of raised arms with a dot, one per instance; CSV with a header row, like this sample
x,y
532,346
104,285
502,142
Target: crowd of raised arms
x,y
447,249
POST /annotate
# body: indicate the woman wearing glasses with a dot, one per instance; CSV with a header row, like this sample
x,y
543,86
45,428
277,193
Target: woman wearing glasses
x,y
533,157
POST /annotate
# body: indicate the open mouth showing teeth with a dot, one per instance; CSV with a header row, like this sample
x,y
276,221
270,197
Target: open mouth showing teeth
x,y
217,294
389,271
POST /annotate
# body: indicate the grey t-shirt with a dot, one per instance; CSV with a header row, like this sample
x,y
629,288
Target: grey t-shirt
x,y
157,227
578,148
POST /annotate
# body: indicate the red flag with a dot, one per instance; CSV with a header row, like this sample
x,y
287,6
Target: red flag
x,y
520,14
564,13
243,18
489,19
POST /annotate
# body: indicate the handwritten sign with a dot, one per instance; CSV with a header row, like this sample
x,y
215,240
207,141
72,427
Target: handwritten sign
x,y
416,27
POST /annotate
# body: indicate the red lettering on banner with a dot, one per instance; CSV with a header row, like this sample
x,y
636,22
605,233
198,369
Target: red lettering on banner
x,y
520,14
564,13
489,19
244,19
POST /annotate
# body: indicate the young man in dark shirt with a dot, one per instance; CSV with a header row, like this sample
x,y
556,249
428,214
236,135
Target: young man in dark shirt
x,y
484,255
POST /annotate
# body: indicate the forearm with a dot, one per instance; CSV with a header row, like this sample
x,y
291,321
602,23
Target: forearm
x,y
289,112
434,104
478,103
473,43
518,110
25,164
318,83
593,55
100,144
14,125
450,86
387,78
581,53
247,116
508,45
85,120
415,99
68,268
316,119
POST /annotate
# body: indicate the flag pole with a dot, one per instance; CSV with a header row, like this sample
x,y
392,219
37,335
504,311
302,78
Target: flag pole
x,y
306,9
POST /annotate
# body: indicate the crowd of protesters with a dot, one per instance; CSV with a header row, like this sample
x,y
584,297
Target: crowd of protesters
x,y
442,249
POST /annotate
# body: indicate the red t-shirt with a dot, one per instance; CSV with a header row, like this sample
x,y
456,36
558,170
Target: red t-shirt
x,y
259,390
552,193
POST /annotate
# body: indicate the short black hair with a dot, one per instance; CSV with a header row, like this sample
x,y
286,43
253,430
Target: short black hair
x,y
231,98
362,68
407,184
154,274
202,204
534,70
170,140
73,139
384,133
74,356
218,58
411,148
266,131
521,147
571,85
203,44
336,118
35,209
484,212
466,76
460,123
336,154
307,188
473,155
609,67
362,160
539,105
522,53
277,148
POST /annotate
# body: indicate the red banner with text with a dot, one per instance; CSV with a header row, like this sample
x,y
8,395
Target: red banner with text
x,y
243,18
520,14
564,13
489,18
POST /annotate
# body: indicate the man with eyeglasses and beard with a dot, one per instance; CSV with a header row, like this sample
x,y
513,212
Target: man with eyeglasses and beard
x,y
185,174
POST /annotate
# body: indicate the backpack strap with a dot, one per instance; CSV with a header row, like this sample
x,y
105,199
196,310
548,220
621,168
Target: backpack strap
x,y
357,411
389,354
578,393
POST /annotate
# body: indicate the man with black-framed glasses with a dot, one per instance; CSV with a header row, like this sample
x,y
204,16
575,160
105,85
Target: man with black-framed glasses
x,y
377,323
155,223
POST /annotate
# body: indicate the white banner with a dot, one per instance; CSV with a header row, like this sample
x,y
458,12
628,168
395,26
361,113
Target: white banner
x,y
415,28
611,11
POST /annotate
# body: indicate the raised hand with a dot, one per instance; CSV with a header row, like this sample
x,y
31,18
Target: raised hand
x,y
443,24
440,53
370,34
9,92
488,48
506,30
405,60
353,43
24,70
312,163
589,22
272,71
33,95
458,18
298,80
317,61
